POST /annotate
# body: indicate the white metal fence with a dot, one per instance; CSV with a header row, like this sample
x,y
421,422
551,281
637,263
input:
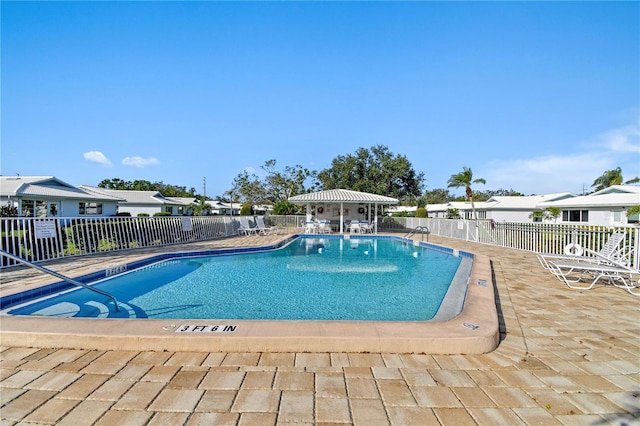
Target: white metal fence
x,y
42,239
536,237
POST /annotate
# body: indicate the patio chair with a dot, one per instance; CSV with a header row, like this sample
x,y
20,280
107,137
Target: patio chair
x,y
262,228
245,228
354,227
580,270
366,227
324,227
610,250
310,227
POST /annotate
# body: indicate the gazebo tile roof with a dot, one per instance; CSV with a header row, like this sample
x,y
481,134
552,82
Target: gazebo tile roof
x,y
342,195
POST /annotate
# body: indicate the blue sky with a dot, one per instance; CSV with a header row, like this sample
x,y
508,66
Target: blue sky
x,y
538,97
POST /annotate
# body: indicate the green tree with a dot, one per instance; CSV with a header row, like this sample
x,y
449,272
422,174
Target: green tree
x,y
632,213
143,185
437,196
248,189
280,185
485,195
465,179
610,178
172,190
115,183
552,213
231,196
453,214
200,207
537,214
377,171
283,207
246,209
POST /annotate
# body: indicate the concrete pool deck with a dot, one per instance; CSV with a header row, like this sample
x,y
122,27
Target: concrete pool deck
x,y
565,357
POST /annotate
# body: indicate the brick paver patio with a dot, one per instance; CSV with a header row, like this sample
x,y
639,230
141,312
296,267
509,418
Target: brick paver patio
x,y
566,357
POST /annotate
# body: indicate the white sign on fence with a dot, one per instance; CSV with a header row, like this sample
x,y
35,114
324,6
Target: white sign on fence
x,y
186,224
45,230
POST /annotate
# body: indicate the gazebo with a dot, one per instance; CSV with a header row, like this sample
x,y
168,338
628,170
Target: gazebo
x,y
342,204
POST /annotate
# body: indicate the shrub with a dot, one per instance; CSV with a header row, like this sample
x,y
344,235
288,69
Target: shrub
x,y
283,207
421,212
246,209
8,210
402,214
453,214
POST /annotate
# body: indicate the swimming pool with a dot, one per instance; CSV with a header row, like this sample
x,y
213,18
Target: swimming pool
x,y
473,330
309,278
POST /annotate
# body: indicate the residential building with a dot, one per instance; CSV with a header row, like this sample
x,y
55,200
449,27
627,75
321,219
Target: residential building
x,y
144,202
47,196
607,207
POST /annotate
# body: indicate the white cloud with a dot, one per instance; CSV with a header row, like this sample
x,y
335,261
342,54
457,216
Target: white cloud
x,y
624,139
574,172
139,161
549,174
97,157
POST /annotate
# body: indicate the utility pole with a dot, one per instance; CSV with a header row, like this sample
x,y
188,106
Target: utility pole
x,y
204,187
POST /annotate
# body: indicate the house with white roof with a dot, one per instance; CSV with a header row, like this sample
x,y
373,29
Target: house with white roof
x,y
518,208
226,209
47,196
607,207
440,211
144,202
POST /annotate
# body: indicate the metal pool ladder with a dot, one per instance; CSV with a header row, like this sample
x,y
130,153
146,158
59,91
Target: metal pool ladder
x,y
422,229
62,277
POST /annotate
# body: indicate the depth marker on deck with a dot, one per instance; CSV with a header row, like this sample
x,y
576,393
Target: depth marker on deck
x,y
206,329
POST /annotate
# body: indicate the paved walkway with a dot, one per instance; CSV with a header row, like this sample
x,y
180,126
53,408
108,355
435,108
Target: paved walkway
x,y
566,357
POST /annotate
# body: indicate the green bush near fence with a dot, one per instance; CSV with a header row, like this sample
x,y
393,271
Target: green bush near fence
x,y
89,237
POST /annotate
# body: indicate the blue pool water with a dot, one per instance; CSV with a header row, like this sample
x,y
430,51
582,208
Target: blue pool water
x,y
309,279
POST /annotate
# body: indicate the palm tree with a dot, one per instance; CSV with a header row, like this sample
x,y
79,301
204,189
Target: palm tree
x,y
552,213
200,207
465,178
608,178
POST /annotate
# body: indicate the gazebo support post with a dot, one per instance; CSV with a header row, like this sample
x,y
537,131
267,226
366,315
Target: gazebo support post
x,y
309,216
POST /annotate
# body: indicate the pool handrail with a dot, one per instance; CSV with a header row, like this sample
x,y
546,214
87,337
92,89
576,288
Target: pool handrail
x,y
62,277
421,229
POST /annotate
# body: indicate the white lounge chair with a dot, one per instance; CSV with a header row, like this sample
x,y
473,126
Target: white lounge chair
x,y
262,228
572,271
245,228
610,250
